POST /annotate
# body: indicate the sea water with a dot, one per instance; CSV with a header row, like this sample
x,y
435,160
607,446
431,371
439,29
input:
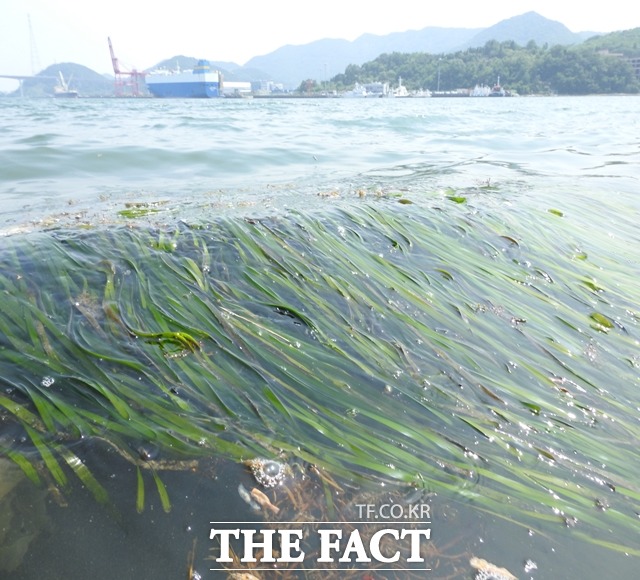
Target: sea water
x,y
93,165
89,157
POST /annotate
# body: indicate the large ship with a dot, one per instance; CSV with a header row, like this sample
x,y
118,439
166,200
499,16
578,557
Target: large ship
x,y
200,83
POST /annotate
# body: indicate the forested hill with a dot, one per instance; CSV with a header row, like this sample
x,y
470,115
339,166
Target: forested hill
x,y
626,42
533,69
88,83
324,58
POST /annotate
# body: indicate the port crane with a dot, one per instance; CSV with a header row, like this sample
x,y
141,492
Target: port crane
x,y
127,82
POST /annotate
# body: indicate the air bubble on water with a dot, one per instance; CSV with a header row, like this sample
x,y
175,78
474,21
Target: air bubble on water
x,y
47,381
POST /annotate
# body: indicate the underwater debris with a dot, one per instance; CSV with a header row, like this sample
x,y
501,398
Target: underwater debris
x,y
263,500
268,472
246,497
488,571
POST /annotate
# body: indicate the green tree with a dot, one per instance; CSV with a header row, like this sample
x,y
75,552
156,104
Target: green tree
x,y
530,69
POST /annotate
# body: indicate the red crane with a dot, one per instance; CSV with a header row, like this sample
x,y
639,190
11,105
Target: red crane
x,y
127,83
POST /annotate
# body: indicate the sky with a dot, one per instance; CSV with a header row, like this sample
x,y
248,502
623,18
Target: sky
x,y
37,33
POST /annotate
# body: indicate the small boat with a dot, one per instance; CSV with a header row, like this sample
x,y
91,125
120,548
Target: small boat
x,y
358,92
400,91
422,94
480,91
369,91
62,90
497,90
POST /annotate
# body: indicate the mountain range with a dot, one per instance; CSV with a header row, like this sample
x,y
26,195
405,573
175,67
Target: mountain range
x,y
322,59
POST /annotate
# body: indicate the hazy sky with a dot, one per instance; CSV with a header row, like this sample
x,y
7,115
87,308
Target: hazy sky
x,y
144,32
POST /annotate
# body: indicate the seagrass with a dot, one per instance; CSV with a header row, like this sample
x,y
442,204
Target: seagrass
x,y
478,351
